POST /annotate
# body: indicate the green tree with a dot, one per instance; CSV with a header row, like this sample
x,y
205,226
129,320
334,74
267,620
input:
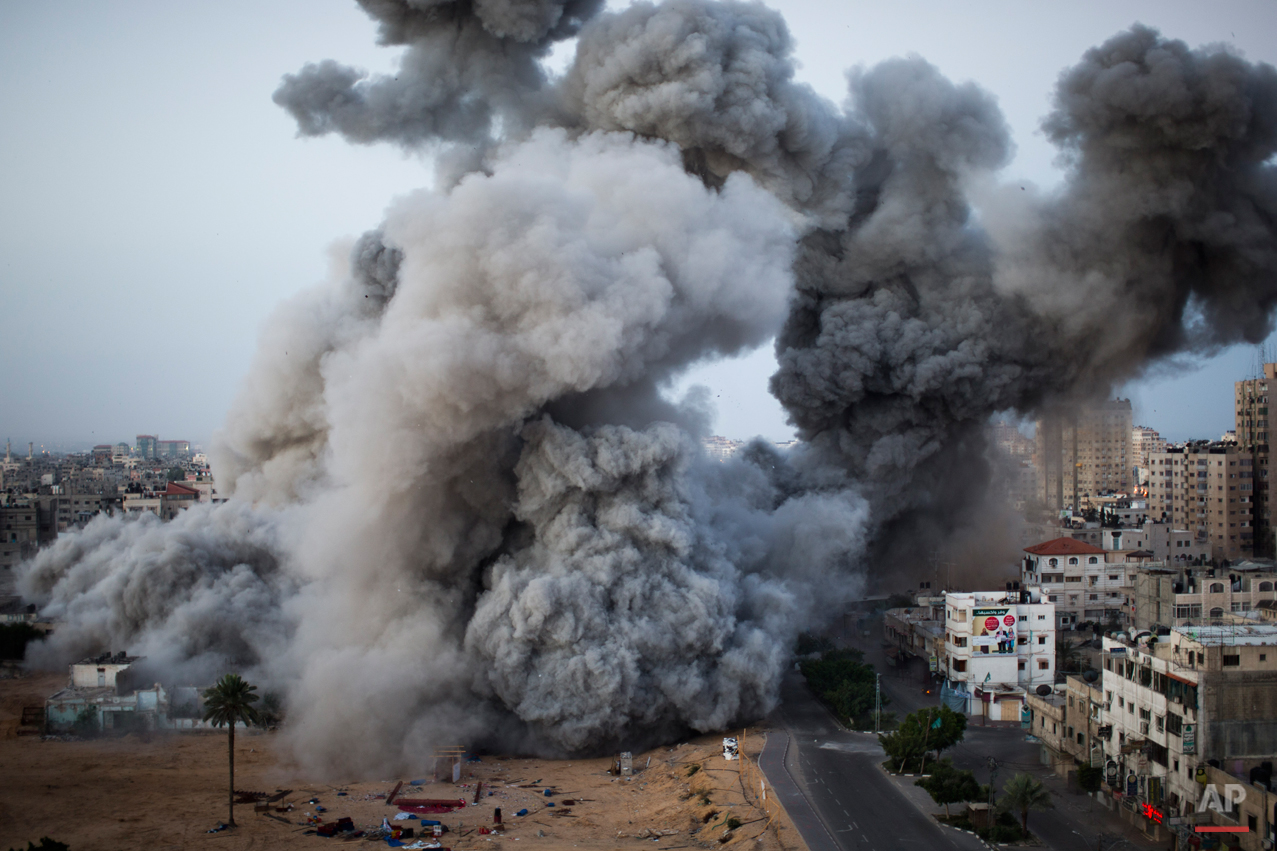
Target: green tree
x,y
1025,792
845,683
1089,777
230,701
948,785
175,474
933,729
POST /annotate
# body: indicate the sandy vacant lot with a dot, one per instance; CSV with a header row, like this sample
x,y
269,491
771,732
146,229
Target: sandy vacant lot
x,y
166,790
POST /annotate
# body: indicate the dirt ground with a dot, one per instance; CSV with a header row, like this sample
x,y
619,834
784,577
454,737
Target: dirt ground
x,y
166,790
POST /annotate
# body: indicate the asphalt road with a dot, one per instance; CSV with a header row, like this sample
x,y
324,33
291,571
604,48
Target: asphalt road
x,y
1073,824
857,806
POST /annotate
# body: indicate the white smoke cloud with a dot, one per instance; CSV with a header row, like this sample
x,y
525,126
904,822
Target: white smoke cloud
x,y
473,515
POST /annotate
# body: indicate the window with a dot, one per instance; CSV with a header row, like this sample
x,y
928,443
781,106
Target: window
x,y
1217,612
1265,586
1092,560
959,665
1021,664
1053,562
1233,661
1043,665
1217,588
1041,639
1072,559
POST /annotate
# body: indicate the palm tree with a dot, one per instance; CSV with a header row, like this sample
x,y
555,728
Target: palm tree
x,y
1025,792
230,701
1068,655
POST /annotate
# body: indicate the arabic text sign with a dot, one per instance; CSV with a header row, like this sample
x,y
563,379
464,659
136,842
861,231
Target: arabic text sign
x,y
994,630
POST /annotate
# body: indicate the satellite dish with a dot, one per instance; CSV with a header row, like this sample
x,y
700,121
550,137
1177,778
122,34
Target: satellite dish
x,y
1044,690
1091,675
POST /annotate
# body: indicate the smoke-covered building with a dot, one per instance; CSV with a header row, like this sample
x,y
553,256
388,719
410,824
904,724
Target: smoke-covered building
x,y
1083,451
720,448
1207,488
998,646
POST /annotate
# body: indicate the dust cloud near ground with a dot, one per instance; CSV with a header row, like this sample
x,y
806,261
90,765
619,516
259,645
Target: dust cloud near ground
x,y
166,790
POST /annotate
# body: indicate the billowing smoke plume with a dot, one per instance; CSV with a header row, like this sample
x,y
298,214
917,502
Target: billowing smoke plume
x,y
473,514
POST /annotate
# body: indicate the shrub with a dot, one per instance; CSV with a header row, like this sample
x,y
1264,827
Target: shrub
x,y
14,638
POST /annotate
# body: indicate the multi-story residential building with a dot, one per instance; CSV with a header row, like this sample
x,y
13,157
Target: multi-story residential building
x,y
1206,488
917,631
166,504
146,445
1084,451
1067,723
1162,540
1008,437
1174,702
1251,412
721,448
19,534
1168,595
1082,581
172,450
1144,442
998,646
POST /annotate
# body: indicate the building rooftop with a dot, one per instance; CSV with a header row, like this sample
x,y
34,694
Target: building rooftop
x,y
120,658
1232,634
1064,547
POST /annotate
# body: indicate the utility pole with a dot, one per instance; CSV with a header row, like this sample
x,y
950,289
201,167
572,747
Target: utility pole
x,y
993,783
877,702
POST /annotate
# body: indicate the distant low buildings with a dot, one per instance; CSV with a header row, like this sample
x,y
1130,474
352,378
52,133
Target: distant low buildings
x,y
99,697
721,448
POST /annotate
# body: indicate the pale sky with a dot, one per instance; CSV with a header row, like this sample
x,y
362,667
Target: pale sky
x,y
155,205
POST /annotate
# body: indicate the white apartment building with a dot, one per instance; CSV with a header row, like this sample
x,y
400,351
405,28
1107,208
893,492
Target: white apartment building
x,y
998,646
1082,581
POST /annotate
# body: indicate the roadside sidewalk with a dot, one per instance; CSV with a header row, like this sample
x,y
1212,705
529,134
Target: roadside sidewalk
x,y
773,763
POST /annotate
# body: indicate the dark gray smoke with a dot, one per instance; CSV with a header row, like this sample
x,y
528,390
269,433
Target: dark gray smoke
x,y
478,517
